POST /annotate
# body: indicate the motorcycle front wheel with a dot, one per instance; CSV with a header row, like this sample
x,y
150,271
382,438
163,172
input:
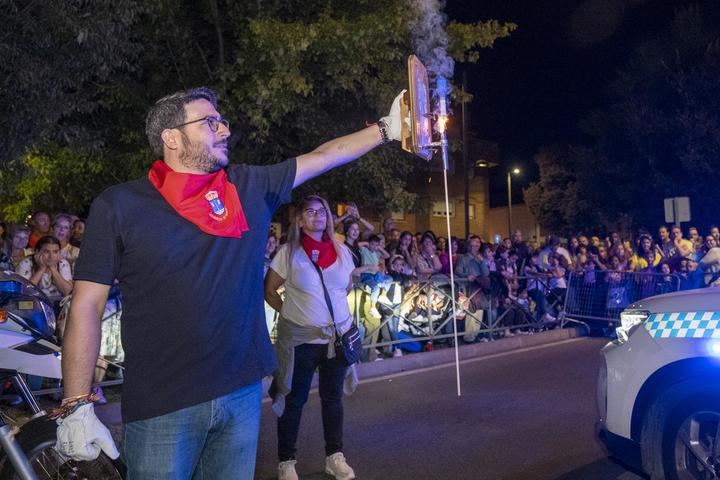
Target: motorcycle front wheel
x,y
37,439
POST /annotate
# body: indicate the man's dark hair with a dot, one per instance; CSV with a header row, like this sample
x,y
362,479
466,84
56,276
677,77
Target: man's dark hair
x,y
170,111
374,238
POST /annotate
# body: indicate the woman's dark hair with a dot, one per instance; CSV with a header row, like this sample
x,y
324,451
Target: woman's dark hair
x,y
429,235
46,240
347,224
658,269
572,249
642,251
410,234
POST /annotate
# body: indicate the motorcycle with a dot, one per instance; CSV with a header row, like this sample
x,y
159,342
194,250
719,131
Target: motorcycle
x,y
28,346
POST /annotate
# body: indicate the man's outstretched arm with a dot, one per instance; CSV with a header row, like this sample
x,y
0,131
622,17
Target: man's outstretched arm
x,y
349,147
335,153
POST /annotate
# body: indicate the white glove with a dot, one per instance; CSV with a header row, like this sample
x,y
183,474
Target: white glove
x,y
81,436
393,120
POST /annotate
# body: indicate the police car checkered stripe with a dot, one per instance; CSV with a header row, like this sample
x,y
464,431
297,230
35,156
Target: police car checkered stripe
x,y
684,325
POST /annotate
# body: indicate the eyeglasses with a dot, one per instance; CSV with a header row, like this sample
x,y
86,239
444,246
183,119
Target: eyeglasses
x,y
321,212
213,123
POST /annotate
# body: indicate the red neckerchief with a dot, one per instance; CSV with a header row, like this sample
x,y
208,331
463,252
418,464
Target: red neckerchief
x,y
209,201
323,253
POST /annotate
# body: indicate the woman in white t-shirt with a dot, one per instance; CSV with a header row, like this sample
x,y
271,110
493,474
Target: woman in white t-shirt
x,y
306,331
48,270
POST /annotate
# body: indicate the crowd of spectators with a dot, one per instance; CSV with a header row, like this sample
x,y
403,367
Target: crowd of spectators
x,y
524,281
44,251
520,280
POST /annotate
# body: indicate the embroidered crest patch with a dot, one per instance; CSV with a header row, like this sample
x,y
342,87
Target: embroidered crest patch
x,y
216,204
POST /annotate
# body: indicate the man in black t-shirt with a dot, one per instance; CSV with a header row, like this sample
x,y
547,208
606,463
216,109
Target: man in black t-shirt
x,y
183,243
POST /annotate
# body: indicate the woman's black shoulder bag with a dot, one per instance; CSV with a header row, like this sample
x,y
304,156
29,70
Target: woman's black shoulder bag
x,y
349,346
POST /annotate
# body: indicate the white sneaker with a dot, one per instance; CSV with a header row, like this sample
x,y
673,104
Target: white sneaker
x,y
286,470
336,466
397,353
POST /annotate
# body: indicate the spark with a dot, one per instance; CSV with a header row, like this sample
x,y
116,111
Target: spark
x,y
441,123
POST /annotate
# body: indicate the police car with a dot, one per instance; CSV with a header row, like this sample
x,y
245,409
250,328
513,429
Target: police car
x,y
659,386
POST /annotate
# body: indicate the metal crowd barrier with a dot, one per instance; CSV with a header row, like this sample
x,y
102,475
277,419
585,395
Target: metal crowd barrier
x,y
407,320
601,296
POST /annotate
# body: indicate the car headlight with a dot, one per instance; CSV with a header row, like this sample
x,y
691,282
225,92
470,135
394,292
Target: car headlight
x,y
629,321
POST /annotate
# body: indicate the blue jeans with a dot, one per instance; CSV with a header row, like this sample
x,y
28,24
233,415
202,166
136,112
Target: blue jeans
x,y
375,281
540,300
390,330
215,439
309,357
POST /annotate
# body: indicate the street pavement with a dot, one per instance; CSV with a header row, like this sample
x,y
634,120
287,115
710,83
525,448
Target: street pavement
x,y
523,414
527,411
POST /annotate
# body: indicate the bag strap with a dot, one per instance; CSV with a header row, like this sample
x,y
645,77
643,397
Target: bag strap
x,y
327,295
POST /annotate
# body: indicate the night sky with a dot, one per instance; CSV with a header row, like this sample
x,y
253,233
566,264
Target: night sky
x,y
534,87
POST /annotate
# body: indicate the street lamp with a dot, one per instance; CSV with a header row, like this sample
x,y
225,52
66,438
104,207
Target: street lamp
x,y
514,171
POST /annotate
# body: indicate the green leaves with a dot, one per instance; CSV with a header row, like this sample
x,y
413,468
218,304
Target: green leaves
x,y
465,39
56,180
78,77
54,59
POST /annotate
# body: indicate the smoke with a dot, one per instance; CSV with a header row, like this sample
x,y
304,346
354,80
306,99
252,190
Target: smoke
x,y
430,38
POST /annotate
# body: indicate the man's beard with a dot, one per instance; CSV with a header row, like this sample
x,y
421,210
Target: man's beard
x,y
197,156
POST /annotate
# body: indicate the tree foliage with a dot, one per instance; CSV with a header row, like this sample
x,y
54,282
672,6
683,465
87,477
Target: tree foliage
x,y
659,138
290,76
59,63
559,200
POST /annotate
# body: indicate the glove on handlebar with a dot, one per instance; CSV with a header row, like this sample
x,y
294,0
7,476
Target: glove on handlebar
x,y
81,436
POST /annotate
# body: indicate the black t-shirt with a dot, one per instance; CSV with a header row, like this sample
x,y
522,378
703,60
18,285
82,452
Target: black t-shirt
x,y
355,251
193,323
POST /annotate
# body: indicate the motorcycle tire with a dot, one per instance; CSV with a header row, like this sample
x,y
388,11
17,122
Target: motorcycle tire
x,y
37,439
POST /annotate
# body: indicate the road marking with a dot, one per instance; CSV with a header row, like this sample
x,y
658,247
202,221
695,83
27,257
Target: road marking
x,y
452,364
